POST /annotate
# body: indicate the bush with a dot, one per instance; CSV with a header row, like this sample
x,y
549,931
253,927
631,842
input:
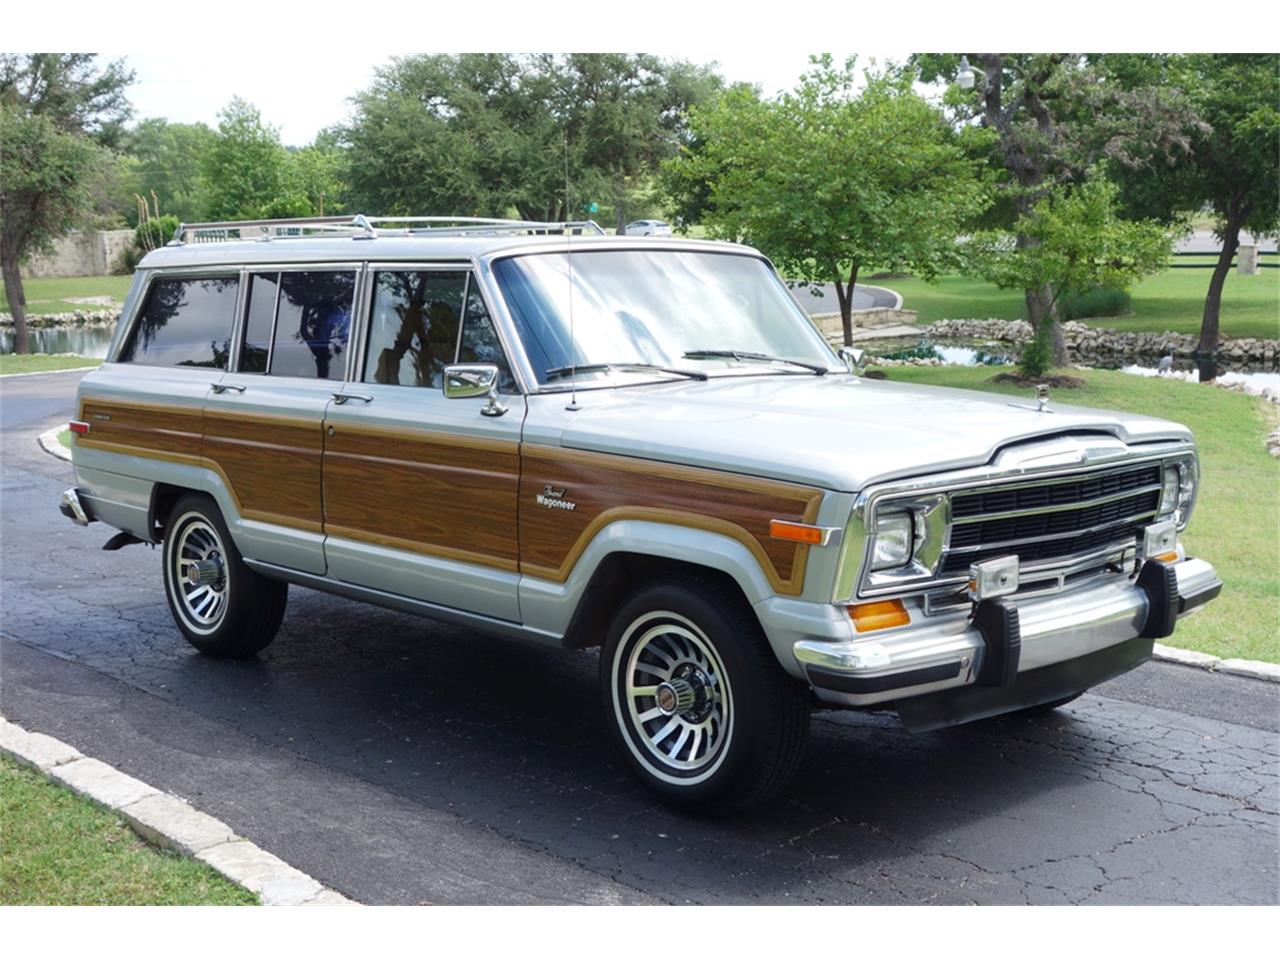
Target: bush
x,y
1037,356
1099,302
161,230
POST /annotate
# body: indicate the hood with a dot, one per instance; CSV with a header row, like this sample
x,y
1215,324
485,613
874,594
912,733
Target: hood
x,y
839,432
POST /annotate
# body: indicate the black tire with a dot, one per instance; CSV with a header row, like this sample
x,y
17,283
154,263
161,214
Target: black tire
x,y
233,616
741,741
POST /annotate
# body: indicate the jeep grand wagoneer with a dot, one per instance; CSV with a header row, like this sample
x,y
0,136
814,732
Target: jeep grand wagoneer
x,y
638,444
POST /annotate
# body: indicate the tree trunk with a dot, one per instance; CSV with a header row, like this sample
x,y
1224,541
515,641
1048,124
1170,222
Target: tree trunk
x,y
16,296
1042,311
1207,348
845,296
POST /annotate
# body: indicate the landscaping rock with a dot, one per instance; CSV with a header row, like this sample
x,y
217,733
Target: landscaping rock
x,y
35,749
169,822
98,781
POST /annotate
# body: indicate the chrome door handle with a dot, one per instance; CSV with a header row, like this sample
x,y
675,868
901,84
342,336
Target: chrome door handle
x,y
224,387
341,398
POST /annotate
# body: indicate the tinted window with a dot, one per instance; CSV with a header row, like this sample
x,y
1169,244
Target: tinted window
x,y
185,322
479,342
313,321
413,326
260,315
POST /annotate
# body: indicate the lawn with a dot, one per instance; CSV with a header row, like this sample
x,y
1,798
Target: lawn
x,y
42,362
59,848
1236,525
1173,300
58,295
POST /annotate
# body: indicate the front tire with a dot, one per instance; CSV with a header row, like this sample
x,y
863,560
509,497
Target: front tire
x,y
696,701
222,607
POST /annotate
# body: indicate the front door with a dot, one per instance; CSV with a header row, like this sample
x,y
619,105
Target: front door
x,y
419,491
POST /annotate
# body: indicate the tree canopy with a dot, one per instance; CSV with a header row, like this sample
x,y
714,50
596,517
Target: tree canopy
x,y
830,178
486,134
57,113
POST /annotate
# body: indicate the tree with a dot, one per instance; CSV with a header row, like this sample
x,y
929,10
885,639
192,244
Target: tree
x,y
168,159
826,180
1075,243
486,134
57,111
1056,116
244,170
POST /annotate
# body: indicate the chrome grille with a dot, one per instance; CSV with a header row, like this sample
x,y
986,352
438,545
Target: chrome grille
x,y
1054,520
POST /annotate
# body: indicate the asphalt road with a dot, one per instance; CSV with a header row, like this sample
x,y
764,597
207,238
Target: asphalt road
x,y
821,298
400,761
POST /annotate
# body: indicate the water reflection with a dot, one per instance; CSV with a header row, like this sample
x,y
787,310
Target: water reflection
x,y
83,341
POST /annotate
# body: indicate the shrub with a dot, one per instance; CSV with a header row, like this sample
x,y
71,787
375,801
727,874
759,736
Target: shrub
x,y
161,230
1037,356
1099,302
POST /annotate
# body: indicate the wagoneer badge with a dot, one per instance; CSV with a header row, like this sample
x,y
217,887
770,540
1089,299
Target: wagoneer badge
x,y
553,498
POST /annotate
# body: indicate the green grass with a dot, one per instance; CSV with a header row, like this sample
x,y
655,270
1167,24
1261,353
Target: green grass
x,y
64,438
1173,300
1236,525
58,848
55,295
41,362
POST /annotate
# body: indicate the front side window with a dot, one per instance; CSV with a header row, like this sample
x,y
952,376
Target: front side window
x,y
654,307
423,320
185,322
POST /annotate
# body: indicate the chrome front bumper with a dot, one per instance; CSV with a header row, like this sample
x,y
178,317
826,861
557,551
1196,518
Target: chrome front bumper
x,y
934,654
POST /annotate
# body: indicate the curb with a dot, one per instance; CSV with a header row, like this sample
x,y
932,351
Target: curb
x,y
1254,669
167,821
50,443
45,373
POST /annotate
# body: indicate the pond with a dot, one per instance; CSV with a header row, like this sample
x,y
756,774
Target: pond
x,y
82,341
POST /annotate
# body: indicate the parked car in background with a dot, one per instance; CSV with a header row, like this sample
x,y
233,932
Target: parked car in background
x,y
643,446
648,228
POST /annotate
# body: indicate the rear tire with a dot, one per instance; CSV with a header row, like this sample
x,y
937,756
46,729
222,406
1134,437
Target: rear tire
x,y
223,608
696,701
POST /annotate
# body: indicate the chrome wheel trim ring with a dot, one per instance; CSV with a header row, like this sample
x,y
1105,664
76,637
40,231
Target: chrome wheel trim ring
x,y
201,606
664,744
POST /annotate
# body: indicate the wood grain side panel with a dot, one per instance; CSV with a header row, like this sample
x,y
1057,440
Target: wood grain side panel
x,y
272,463
144,426
446,496
607,488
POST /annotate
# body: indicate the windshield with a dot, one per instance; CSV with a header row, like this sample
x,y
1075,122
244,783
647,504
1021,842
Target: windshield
x,y
655,307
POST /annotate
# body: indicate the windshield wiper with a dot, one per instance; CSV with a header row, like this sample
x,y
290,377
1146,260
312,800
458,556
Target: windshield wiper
x,y
556,372
748,355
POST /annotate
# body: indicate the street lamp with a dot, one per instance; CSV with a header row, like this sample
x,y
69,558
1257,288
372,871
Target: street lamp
x,y
965,76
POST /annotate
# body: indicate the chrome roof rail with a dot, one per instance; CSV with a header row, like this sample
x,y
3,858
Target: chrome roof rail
x,y
361,227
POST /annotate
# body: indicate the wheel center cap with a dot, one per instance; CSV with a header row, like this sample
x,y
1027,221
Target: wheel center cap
x,y
675,696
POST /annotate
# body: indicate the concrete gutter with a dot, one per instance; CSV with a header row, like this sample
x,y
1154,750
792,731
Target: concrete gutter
x,y
168,821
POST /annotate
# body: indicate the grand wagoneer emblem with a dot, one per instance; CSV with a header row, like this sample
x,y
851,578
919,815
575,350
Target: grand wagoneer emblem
x,y
553,498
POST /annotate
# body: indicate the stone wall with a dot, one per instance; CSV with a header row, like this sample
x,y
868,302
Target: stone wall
x,y
829,323
1090,345
82,253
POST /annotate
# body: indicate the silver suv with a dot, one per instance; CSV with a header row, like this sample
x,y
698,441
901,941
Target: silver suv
x,y
643,446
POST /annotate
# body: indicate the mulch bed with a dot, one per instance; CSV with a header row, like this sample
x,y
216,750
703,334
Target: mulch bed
x,y
1060,380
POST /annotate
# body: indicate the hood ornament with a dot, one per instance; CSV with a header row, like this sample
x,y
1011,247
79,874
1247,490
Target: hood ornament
x,y
1042,397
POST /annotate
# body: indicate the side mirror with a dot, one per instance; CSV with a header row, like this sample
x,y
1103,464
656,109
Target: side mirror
x,y
853,358
464,381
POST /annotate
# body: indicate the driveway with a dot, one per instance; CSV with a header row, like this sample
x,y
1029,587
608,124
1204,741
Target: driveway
x,y
400,761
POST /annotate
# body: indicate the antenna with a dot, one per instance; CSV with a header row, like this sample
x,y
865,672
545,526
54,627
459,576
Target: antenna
x,y
568,240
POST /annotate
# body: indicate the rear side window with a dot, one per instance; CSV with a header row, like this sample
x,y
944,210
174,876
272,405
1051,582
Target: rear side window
x,y
297,324
185,322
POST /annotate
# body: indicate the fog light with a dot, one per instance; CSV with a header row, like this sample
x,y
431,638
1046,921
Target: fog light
x,y
993,578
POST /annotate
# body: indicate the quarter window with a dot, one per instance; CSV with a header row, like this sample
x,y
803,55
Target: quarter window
x,y
185,322
479,341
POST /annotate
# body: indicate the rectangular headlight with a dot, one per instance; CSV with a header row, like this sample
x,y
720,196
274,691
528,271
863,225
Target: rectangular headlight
x,y
1178,491
893,539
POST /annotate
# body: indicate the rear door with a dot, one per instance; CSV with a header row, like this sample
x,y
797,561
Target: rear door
x,y
264,422
419,491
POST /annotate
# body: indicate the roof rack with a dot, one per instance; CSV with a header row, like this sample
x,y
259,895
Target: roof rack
x,y
361,227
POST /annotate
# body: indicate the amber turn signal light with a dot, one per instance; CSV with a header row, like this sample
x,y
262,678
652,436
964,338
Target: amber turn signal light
x,y
798,532
879,615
